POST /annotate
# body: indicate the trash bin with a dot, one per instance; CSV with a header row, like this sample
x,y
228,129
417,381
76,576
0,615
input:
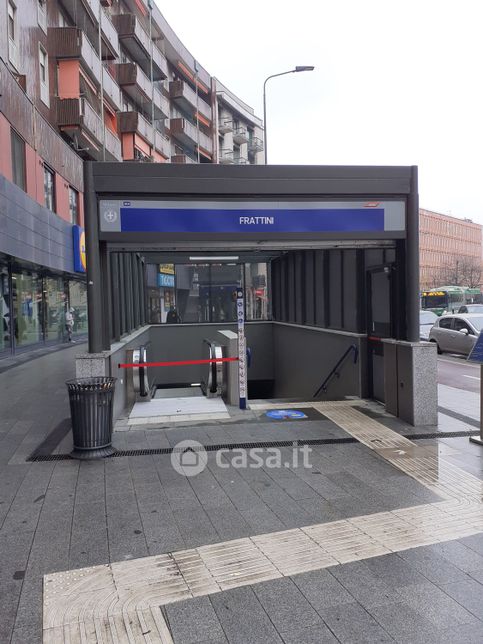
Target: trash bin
x,y
91,402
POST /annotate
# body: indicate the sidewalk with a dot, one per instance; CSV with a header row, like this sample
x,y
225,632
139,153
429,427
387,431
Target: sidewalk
x,y
63,515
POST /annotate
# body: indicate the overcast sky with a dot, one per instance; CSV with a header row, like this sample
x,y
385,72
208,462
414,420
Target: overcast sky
x,y
397,82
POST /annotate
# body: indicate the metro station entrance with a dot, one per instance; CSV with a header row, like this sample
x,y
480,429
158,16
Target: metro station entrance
x,y
324,259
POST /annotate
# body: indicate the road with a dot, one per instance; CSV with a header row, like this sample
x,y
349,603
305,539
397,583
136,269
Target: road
x,y
455,371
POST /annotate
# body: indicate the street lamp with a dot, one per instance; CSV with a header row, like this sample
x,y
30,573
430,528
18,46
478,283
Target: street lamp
x,y
299,68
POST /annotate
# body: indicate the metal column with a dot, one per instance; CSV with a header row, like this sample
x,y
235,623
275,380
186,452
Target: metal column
x,y
94,279
412,260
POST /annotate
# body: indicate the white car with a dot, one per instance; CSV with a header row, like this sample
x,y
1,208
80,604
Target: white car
x,y
456,333
426,321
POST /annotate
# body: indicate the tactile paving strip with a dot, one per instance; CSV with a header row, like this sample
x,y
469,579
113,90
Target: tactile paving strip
x,y
121,602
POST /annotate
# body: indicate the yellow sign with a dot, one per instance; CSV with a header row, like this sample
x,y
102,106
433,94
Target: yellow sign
x,y
166,269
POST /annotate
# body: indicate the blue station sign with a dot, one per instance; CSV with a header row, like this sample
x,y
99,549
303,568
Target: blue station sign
x,y
252,217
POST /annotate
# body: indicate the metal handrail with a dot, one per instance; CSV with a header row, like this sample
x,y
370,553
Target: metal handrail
x,y
334,373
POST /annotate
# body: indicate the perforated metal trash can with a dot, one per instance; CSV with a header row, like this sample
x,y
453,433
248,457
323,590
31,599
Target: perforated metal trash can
x,y
91,401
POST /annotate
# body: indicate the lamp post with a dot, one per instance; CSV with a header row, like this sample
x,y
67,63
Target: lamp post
x,y
299,68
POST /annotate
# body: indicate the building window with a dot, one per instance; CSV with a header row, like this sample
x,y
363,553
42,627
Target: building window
x,y
42,14
12,34
73,205
49,189
18,160
44,75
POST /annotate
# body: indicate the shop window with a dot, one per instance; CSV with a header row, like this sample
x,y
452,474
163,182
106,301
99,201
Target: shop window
x,y
74,205
44,75
27,306
54,309
256,291
18,160
78,302
5,313
49,188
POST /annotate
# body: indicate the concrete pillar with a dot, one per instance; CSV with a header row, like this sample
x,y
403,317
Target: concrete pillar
x,y
411,381
229,339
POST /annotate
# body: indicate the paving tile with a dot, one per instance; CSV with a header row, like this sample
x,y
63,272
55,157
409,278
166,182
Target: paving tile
x,y
195,527
30,634
463,634
316,634
366,588
322,589
351,624
262,520
402,622
469,594
394,571
228,522
436,606
242,617
461,556
194,620
434,567
286,606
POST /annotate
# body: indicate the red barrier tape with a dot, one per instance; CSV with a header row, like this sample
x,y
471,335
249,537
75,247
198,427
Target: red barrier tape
x,y
179,363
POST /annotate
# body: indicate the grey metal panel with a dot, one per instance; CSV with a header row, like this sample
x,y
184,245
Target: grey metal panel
x,y
184,342
405,382
305,356
335,288
309,285
350,290
299,287
276,269
390,377
262,180
32,233
290,288
320,288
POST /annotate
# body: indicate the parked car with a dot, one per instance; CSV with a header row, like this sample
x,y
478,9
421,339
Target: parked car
x,y
456,333
426,321
471,308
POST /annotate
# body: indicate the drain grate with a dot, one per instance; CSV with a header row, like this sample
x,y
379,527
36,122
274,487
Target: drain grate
x,y
36,458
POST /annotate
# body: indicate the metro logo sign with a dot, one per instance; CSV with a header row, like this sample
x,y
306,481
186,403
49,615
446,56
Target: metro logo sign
x,y
79,242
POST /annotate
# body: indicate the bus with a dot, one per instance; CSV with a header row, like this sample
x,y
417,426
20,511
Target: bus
x,y
448,299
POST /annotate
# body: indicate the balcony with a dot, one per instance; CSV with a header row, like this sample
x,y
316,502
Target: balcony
x,y
113,145
72,43
86,16
185,97
189,134
255,144
225,126
240,135
78,120
134,82
162,143
136,123
137,42
182,158
161,105
111,89
111,40
228,157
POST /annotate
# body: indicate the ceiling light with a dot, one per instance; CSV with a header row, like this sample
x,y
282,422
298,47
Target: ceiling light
x,y
215,258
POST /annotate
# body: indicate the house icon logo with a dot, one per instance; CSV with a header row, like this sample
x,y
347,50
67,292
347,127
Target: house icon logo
x,y
189,458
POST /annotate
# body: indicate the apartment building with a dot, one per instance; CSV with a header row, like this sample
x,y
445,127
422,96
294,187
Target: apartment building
x,y
450,250
91,80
